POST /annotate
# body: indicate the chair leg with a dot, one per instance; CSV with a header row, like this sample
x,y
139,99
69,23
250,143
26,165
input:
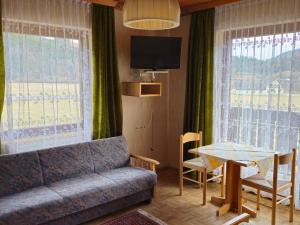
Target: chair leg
x,y
258,200
204,186
240,197
292,205
274,206
180,181
199,179
222,181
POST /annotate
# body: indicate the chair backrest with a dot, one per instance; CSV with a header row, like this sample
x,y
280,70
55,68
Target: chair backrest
x,y
285,159
189,137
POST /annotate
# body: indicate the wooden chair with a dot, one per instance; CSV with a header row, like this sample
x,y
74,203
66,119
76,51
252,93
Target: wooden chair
x,y
275,185
243,218
196,165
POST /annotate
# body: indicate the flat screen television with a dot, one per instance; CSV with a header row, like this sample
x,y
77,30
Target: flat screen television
x,y
155,53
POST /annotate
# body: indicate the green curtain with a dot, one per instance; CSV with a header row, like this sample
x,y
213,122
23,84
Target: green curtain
x,y
199,85
107,103
2,71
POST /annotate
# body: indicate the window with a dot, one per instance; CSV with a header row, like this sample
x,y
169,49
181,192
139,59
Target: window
x,y
262,107
48,90
257,77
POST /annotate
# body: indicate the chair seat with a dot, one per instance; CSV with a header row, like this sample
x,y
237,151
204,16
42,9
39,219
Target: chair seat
x,y
196,164
265,183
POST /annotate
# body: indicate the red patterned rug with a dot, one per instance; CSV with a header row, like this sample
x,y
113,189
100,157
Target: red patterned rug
x,y
138,217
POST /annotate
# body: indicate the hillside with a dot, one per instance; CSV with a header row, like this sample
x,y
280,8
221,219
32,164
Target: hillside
x,y
268,74
278,64
57,57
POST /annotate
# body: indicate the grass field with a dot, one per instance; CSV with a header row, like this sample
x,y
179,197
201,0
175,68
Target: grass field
x,y
39,105
262,101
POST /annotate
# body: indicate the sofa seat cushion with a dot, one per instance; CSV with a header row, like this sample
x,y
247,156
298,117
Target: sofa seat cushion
x,y
92,190
33,206
87,191
132,179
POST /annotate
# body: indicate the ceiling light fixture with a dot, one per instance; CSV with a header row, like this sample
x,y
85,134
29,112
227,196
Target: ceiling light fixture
x,y
151,14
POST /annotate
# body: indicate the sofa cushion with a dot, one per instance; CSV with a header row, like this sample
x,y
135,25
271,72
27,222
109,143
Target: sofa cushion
x,y
109,153
87,191
34,206
19,172
66,162
97,189
132,179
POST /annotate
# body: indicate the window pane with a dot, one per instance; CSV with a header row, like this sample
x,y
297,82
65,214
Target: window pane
x,y
44,104
264,91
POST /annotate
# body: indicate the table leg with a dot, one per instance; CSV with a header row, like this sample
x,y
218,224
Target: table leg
x,y
232,200
224,209
232,184
219,201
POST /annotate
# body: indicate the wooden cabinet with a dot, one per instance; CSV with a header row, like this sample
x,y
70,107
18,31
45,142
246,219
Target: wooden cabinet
x,y
141,89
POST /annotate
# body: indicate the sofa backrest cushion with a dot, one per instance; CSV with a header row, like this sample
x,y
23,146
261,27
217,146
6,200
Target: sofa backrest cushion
x,y
19,172
66,162
109,153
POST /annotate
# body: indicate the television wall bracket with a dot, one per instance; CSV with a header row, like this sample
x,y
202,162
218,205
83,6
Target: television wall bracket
x,y
153,73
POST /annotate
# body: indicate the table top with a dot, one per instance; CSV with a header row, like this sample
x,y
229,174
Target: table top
x,y
244,155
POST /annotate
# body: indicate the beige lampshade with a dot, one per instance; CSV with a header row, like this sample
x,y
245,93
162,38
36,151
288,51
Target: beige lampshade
x,y
151,14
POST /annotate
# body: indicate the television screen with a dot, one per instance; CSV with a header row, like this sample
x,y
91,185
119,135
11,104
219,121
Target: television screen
x,y
155,52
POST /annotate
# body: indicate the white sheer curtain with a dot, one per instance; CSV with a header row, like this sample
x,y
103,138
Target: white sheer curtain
x,y
48,74
257,75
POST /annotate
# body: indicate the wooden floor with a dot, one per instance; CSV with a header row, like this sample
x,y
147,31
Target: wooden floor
x,y
187,209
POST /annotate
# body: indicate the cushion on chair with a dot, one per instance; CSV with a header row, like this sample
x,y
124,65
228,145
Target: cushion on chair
x,y
34,206
19,172
109,153
132,179
266,182
66,162
196,163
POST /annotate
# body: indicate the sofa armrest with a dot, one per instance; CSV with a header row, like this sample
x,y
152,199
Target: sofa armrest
x,y
144,162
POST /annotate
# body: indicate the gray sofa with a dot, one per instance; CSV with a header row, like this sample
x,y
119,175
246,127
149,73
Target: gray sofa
x,y
72,184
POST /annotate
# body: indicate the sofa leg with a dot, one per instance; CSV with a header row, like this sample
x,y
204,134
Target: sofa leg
x,y
154,191
148,201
